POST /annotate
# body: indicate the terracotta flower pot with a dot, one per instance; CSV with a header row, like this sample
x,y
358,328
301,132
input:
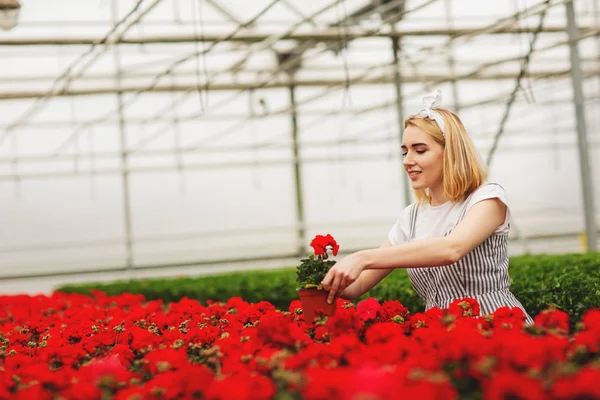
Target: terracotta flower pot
x,y
312,300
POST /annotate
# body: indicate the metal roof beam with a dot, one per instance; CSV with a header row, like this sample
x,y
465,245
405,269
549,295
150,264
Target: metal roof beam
x,y
329,34
283,83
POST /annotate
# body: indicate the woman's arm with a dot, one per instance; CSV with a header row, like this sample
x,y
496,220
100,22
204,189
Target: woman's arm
x,y
366,281
480,222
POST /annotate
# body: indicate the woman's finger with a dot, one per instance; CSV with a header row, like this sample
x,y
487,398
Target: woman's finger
x,y
343,285
326,282
334,288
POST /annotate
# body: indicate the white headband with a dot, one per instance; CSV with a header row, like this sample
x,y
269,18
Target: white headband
x,y
433,100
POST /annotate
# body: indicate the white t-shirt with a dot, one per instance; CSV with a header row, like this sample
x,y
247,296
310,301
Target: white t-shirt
x,y
436,221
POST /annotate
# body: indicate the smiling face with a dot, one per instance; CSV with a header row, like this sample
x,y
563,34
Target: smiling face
x,y
446,163
423,159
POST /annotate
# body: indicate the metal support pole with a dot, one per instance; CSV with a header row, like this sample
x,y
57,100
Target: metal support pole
x,y
124,153
451,62
297,175
597,22
406,192
584,163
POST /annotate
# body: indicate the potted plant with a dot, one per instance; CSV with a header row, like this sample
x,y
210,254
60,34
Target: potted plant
x,y
311,272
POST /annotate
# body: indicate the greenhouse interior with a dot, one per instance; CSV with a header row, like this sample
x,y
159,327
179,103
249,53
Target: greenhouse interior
x,y
170,138
299,199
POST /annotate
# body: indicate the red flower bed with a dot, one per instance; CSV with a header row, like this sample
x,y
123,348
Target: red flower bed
x,y
74,347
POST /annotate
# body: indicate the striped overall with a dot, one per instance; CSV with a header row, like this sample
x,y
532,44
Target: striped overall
x,y
482,274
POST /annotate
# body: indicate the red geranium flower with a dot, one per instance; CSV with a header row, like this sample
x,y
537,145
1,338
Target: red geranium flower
x,y
367,309
320,244
108,372
466,307
553,320
35,391
583,385
392,309
511,385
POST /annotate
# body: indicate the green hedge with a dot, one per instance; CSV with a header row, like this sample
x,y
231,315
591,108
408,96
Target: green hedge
x,y
571,281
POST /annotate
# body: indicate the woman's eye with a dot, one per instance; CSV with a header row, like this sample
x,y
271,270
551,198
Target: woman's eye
x,y
417,151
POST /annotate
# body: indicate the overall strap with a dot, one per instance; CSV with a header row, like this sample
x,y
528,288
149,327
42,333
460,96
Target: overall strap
x,y
413,221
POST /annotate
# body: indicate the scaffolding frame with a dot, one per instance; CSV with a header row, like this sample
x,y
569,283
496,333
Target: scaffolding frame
x,y
246,39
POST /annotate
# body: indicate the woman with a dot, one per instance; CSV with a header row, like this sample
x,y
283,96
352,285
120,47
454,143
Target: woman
x,y
453,239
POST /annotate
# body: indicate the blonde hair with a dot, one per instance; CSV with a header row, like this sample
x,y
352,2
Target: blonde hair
x,y
463,170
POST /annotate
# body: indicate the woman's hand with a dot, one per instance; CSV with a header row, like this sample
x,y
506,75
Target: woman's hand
x,y
342,274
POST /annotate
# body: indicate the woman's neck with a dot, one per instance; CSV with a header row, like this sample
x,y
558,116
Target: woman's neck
x,y
437,196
